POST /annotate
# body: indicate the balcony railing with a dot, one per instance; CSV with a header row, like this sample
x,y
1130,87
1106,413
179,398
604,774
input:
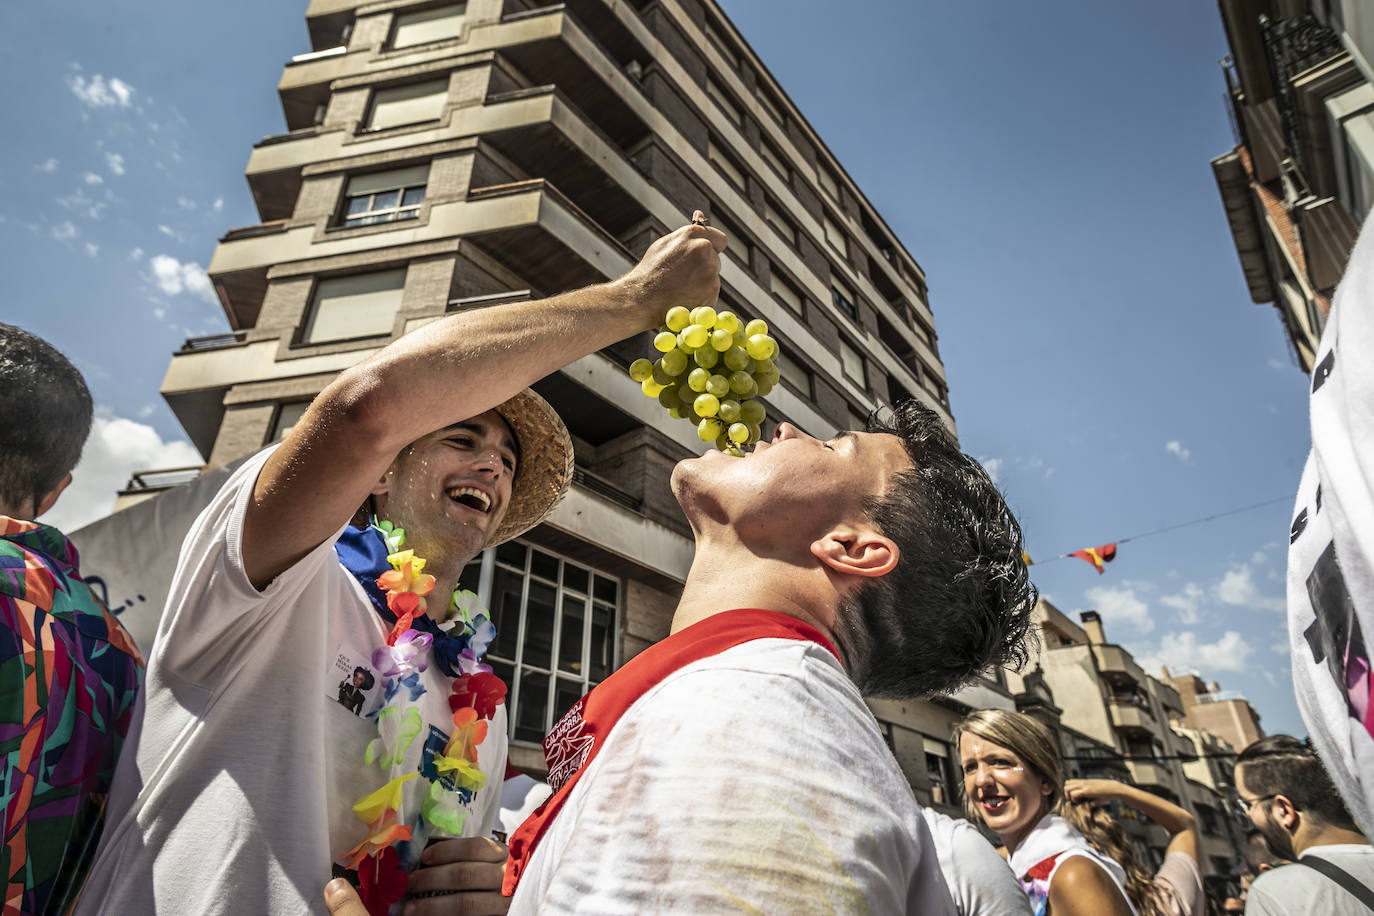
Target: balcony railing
x,y
165,478
214,341
603,487
1294,46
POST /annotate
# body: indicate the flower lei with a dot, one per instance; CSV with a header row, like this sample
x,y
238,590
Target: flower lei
x,y
392,846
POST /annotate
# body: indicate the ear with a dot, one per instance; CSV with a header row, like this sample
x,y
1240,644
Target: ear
x,y
1284,813
47,502
856,552
1046,788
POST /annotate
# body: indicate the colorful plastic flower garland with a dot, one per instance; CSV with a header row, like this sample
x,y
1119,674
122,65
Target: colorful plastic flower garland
x,y
455,778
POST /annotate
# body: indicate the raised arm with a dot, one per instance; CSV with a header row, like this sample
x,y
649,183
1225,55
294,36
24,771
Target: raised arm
x,y
1181,825
447,371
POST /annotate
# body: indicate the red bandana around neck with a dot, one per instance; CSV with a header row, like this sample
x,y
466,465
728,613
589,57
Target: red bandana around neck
x,y
577,737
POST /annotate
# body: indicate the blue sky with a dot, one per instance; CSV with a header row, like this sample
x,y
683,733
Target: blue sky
x,y
1047,165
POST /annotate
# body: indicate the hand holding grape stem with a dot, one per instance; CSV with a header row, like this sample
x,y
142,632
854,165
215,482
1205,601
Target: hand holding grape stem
x,y
681,268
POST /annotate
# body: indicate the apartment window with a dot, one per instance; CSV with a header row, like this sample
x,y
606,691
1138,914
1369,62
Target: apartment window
x,y
382,197
767,104
834,235
716,35
735,241
827,181
938,772
288,415
555,631
725,162
723,101
785,292
360,305
774,158
409,104
851,362
844,298
779,222
797,377
434,24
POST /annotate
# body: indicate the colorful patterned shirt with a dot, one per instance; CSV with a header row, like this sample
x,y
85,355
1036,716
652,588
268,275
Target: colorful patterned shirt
x,y
69,675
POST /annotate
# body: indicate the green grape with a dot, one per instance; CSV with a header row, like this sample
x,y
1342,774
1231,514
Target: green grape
x,y
708,429
661,375
650,387
721,340
774,374
695,335
761,346
668,397
762,366
723,441
727,321
677,318
705,316
734,452
718,385
687,395
683,345
742,384
665,341
696,379
752,412
736,358
757,326
762,386
729,410
674,362
706,358
739,432
755,433
706,405
677,413
641,369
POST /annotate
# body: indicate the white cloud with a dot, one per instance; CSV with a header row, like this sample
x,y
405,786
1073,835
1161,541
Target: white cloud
x,y
48,165
116,448
136,254
174,277
993,466
146,411
186,203
99,93
92,249
218,205
1281,647
1182,651
1121,605
1173,447
1276,363
1238,589
115,163
64,231
169,232
1187,602
93,178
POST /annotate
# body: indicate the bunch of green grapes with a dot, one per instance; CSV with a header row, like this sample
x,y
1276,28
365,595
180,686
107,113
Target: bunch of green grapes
x,y
712,368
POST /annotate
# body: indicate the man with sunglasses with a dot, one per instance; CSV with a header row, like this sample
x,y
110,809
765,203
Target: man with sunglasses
x,y
1292,801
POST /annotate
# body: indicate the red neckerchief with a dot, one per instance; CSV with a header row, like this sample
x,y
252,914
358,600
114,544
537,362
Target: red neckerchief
x,y
577,738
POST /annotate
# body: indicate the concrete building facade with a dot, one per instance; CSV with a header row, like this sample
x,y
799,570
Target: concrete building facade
x,y
1300,178
445,156
1117,721
1224,713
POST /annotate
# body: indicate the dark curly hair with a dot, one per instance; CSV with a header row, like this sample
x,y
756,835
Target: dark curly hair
x,y
45,416
1283,765
959,599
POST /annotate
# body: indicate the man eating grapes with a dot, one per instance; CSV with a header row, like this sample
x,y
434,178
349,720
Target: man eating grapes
x,y
734,766
244,778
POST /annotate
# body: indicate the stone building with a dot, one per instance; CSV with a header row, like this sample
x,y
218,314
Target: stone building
x,y
1300,178
1224,713
443,156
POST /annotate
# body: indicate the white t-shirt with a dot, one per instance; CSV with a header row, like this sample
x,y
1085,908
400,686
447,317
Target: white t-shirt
x,y
234,793
755,780
1292,889
980,880
1331,557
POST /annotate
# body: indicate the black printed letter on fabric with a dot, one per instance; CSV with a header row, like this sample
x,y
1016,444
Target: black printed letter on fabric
x,y
1335,636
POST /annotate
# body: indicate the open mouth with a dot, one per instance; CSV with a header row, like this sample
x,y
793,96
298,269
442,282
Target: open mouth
x,y
994,804
471,497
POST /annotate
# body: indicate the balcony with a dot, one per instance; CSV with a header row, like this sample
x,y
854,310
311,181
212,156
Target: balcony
x,y
1151,776
1117,665
1131,717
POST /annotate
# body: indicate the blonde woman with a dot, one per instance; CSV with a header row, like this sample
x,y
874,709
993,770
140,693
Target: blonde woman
x,y
1013,780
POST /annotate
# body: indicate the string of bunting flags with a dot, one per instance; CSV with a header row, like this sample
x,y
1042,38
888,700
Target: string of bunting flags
x,y
1103,554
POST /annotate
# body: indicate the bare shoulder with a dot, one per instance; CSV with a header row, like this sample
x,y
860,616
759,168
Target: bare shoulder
x,y
1081,887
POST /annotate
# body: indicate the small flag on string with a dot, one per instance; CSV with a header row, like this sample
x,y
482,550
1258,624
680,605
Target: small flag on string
x,y
1097,556
1025,558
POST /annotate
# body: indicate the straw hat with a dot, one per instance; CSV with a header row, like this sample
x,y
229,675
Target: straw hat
x,y
545,469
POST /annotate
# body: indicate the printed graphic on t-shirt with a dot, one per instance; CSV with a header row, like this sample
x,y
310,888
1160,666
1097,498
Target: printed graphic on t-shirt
x,y
357,689
1335,637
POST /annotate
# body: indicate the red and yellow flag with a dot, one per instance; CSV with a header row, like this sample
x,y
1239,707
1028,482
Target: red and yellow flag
x,y
1097,556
